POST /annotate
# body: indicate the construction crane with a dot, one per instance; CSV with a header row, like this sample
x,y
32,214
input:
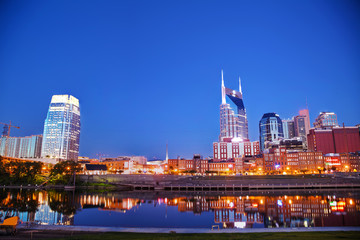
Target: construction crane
x,y
7,128
6,133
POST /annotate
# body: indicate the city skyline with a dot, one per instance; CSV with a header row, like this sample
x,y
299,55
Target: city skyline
x,y
178,78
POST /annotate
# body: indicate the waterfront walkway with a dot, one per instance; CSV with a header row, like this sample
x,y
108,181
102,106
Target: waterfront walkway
x,y
182,230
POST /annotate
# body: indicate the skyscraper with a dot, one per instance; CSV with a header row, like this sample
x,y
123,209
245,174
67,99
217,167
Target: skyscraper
x,y
62,128
271,129
232,125
300,126
305,113
288,128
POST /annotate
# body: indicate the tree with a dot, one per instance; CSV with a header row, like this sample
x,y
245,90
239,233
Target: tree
x,y
62,171
321,170
20,171
65,168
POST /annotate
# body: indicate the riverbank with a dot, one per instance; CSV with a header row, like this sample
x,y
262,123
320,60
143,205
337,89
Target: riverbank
x,y
171,183
72,232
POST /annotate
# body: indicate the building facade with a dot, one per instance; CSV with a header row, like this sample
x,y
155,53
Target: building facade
x,y
335,140
288,128
326,120
232,125
300,126
305,114
271,128
62,128
21,147
231,150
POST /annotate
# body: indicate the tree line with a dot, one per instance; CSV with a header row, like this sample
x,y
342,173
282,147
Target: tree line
x,y
31,172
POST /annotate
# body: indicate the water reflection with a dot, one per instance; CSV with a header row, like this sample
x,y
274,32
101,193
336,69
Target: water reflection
x,y
113,209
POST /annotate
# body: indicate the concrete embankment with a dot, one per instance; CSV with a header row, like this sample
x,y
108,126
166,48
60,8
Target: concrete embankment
x,y
142,182
226,183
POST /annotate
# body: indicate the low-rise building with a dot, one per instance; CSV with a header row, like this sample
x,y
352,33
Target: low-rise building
x,y
230,150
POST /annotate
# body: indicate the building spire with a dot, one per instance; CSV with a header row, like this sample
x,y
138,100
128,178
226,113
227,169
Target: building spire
x,y
223,97
240,85
167,153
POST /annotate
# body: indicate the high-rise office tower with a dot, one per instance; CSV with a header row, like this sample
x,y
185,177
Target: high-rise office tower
x,y
271,128
288,128
21,147
232,125
326,120
300,126
62,128
305,113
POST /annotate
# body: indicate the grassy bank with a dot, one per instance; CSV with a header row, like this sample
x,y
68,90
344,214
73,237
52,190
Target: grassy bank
x,y
208,236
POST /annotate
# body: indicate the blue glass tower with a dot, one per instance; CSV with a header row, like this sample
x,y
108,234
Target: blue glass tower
x,y
62,128
271,129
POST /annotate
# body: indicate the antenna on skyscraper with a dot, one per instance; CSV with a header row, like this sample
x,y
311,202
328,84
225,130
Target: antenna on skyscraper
x,y
167,153
223,100
240,85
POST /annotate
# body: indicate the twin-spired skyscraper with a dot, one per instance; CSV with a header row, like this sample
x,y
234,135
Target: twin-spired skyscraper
x,y
232,125
62,128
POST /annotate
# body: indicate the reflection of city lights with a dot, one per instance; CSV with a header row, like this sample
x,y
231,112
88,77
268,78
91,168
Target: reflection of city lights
x,y
351,202
231,204
261,201
290,202
239,224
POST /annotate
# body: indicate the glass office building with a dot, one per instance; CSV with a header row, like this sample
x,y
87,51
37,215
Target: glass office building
x,y
271,129
62,128
21,147
288,128
326,120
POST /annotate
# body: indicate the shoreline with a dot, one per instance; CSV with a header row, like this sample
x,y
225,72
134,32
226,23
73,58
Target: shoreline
x,y
216,184
100,229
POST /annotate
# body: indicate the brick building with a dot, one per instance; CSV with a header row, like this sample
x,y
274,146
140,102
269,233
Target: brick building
x,y
230,150
335,140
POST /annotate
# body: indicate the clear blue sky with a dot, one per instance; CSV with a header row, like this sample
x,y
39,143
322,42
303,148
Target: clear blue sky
x,y
148,72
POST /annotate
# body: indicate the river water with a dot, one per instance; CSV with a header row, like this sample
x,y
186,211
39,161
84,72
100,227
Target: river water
x,y
195,210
